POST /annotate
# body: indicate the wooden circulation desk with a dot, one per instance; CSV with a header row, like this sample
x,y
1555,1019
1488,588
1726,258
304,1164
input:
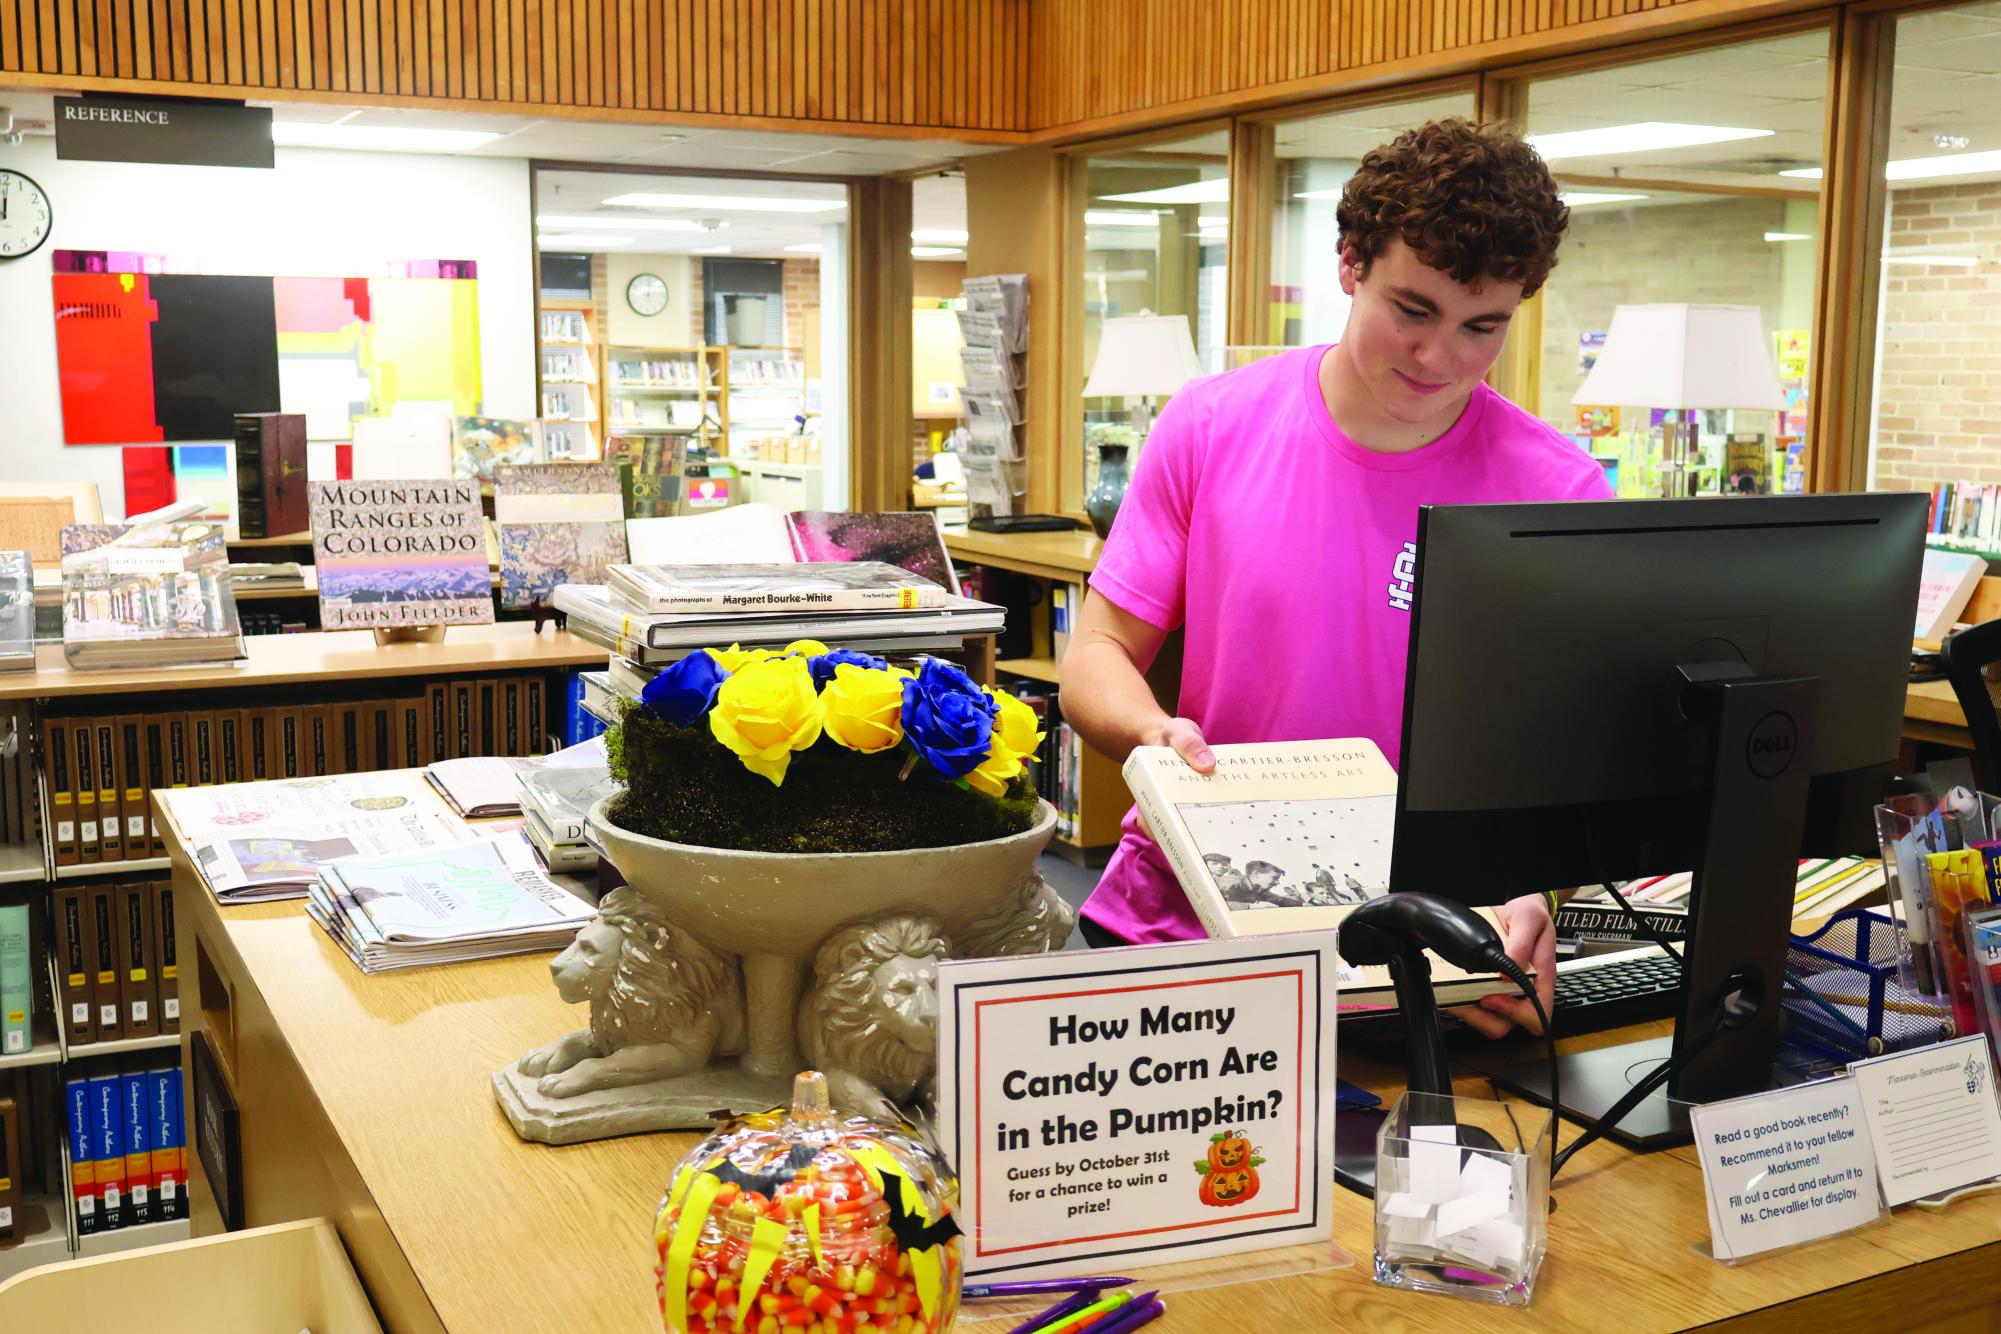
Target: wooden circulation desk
x,y
365,1099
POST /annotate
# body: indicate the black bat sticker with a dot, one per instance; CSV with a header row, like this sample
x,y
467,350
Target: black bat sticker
x,y
913,1233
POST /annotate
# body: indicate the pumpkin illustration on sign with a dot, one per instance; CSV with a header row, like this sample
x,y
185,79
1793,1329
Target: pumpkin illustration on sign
x,y
1230,1172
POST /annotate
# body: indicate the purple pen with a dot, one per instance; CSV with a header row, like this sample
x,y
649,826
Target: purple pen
x,y
1131,1316
1070,1305
1033,1286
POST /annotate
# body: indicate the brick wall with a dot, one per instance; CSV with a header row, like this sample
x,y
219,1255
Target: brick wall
x,y
802,294
1710,251
1938,413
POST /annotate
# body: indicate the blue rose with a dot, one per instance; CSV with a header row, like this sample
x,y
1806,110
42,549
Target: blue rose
x,y
823,665
683,693
948,719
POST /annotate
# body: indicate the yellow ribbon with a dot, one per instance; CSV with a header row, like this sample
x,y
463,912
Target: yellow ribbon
x,y
924,1267
694,1213
767,1239
812,1217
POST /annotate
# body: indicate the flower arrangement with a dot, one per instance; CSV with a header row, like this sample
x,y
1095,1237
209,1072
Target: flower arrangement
x,y
811,749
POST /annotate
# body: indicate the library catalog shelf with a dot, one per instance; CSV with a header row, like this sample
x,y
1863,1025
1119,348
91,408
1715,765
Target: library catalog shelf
x,y
21,862
131,866
47,1244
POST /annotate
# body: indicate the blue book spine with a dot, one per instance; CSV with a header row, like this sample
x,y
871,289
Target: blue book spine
x,y
107,1133
136,1089
82,1165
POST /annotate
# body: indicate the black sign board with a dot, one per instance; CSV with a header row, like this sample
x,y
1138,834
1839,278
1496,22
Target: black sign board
x,y
182,131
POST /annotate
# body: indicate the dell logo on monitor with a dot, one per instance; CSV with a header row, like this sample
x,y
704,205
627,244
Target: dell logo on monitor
x,y
1769,751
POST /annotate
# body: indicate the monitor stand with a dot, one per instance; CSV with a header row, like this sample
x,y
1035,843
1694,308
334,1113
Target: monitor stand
x,y
1740,918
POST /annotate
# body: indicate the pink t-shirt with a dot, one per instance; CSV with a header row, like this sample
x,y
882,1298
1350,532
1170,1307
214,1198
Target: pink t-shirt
x,y
1286,551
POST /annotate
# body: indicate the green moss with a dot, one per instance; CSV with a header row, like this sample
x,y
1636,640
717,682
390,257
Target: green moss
x,y
681,785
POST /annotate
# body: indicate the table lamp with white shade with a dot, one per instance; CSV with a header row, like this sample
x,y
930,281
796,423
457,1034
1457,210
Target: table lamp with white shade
x,y
1144,356
1687,359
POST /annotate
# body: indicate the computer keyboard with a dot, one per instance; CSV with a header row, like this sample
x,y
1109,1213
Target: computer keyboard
x,y
1604,991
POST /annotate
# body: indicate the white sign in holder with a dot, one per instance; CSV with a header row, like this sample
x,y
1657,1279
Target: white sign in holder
x,y
1123,1109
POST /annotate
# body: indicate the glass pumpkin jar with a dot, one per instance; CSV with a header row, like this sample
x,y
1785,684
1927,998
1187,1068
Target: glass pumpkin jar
x,y
808,1224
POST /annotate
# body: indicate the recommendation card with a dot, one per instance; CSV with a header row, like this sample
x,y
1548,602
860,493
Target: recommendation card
x,y
1933,1119
1785,1167
1139,1106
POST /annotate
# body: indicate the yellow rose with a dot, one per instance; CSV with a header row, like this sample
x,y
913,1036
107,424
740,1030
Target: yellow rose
x,y
735,656
1015,738
864,708
766,710
807,648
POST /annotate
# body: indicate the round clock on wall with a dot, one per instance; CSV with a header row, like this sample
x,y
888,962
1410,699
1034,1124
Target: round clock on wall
x,y
646,294
25,216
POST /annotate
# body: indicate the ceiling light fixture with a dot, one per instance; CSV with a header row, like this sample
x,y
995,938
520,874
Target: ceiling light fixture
x,y
810,248
1788,236
1121,217
940,235
1641,137
619,224
1586,198
728,203
376,138
710,250
1215,191
546,240
935,252
1945,261
1923,168
1951,142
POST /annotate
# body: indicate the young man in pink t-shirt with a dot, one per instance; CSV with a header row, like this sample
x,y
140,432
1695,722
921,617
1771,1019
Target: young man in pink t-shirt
x,y
1273,516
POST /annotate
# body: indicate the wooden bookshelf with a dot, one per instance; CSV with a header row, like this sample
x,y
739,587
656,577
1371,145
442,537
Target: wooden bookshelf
x,y
320,655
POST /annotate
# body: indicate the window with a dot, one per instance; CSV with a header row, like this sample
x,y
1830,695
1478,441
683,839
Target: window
x,y
1938,348
1156,238
1690,179
1313,159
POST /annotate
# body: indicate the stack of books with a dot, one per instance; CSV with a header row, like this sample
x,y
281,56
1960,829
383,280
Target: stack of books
x,y
150,595
554,802
127,1142
473,901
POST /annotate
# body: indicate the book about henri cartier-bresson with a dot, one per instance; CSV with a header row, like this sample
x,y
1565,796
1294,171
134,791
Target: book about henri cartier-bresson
x,y
400,553
1283,836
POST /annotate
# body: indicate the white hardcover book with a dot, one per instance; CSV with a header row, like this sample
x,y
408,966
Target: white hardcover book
x,y
1284,836
823,586
1945,586
741,534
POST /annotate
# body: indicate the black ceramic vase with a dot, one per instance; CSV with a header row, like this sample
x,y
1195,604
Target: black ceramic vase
x,y
1103,502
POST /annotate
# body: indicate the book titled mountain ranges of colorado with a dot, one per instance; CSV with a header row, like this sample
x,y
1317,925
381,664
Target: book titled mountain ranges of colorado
x,y
560,523
400,553
808,586
1283,836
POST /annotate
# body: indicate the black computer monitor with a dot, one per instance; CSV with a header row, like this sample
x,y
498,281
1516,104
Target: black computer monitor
x,y
1603,690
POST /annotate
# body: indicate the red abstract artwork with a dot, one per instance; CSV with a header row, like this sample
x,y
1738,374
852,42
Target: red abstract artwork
x,y
104,349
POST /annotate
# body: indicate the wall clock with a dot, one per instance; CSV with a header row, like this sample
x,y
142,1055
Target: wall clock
x,y
646,294
25,216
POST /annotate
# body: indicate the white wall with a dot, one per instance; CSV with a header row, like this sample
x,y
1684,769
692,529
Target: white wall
x,y
316,214
672,327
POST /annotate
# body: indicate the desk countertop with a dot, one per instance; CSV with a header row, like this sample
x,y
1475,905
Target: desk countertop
x,y
502,1235
1067,556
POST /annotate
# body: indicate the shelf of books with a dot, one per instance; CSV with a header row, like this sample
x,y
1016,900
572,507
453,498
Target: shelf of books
x,y
766,389
572,424
666,390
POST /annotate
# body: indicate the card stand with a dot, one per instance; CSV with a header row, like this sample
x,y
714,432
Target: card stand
x,y
1462,1197
1855,1004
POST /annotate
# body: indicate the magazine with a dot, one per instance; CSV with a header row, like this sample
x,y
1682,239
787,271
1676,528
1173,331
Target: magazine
x,y
267,840
472,901
480,786
400,554
148,595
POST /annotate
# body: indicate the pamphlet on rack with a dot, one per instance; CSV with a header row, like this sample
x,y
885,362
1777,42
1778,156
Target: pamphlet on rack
x,y
1933,1118
258,841
1139,1106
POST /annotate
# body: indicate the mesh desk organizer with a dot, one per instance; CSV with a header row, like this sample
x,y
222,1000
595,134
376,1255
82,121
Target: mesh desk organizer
x,y
1854,1005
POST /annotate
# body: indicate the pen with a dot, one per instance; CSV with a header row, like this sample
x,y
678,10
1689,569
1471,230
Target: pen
x,y
1077,1318
1131,1317
1029,1287
1075,1302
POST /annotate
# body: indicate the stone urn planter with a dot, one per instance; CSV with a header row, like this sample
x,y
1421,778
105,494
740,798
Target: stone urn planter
x,y
714,975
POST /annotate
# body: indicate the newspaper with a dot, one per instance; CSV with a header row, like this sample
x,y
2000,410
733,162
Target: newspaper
x,y
254,842
475,901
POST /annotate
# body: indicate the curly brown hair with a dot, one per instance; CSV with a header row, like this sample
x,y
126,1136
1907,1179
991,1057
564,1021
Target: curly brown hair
x,y
1472,200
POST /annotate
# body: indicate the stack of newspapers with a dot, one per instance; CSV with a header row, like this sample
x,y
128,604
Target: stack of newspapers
x,y
649,616
475,900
